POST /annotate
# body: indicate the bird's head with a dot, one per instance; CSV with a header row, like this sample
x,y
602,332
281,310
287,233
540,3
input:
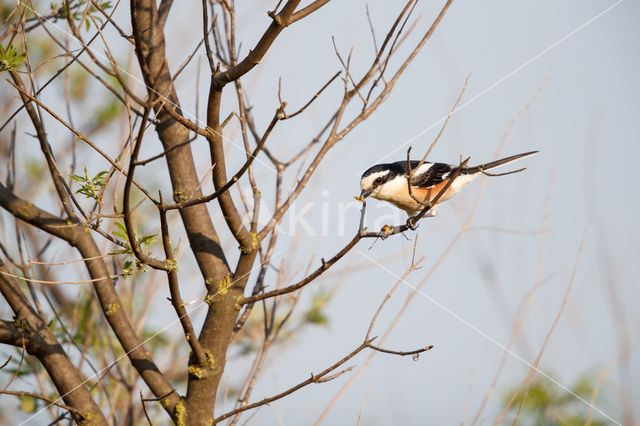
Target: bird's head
x,y
373,180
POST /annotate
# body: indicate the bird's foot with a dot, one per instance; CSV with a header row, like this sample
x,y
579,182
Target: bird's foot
x,y
411,224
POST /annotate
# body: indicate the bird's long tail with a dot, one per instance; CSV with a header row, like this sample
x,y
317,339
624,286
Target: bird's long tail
x,y
497,163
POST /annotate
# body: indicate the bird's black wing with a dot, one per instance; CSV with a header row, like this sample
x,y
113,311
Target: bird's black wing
x,y
432,176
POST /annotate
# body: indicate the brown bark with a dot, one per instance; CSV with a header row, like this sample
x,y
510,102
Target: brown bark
x,y
203,239
79,236
40,342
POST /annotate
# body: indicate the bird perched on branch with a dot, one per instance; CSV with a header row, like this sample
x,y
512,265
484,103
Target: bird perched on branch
x,y
389,182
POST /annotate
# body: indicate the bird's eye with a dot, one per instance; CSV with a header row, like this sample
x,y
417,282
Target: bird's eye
x,y
378,181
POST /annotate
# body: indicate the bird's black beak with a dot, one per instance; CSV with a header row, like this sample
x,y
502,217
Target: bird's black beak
x,y
365,193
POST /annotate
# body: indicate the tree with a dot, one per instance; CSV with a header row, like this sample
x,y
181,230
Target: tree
x,y
81,202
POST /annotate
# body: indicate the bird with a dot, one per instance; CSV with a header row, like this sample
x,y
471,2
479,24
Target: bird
x,y
388,182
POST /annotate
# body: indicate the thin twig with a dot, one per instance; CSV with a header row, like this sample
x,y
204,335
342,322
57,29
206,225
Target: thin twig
x,y
364,401
49,401
401,353
32,280
144,409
